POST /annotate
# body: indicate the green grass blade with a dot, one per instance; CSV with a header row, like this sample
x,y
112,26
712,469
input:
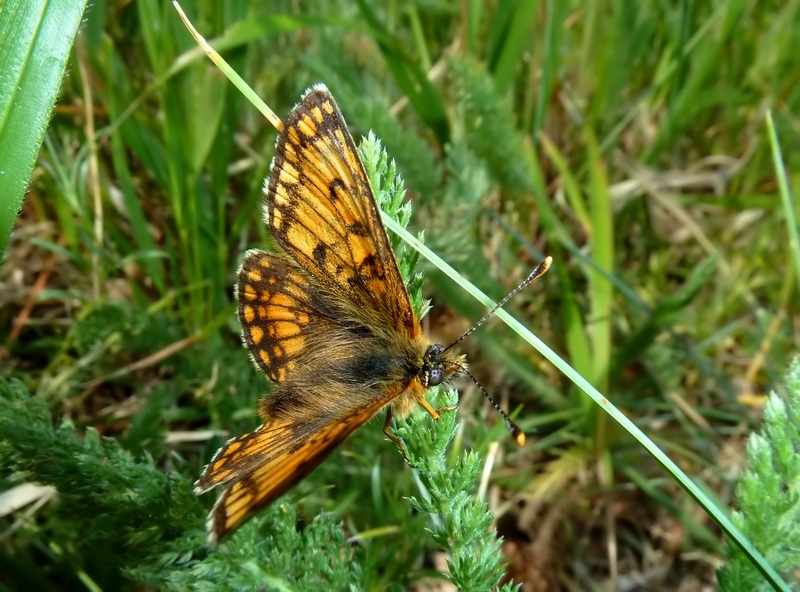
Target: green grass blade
x,y
516,42
603,253
552,57
789,206
35,42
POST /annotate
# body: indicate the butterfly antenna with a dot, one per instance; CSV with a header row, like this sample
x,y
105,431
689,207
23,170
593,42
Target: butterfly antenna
x,y
516,431
540,270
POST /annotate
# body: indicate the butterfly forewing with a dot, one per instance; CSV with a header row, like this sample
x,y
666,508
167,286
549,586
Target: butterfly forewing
x,y
322,211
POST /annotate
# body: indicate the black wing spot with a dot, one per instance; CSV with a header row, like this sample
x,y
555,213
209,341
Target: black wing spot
x,y
367,369
320,254
358,229
336,186
370,267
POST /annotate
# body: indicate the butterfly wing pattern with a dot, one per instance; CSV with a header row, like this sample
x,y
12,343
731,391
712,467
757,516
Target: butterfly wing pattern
x,y
322,211
331,325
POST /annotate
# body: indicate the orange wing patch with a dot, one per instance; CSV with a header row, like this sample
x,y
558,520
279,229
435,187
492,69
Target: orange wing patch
x,y
321,210
277,309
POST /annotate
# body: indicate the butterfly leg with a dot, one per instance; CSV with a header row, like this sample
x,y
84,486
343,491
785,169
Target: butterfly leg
x,y
431,411
436,413
446,408
397,442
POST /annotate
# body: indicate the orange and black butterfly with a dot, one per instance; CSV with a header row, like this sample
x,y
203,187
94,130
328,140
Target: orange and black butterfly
x,y
329,321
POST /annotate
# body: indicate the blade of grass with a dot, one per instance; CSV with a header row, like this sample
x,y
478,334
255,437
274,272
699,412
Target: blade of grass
x,y
552,56
120,144
603,254
568,180
789,207
35,43
516,42
471,23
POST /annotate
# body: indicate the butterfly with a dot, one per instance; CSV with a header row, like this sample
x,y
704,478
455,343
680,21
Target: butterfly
x,y
328,320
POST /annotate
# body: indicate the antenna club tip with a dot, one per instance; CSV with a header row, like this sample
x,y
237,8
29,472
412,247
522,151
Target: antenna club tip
x,y
519,436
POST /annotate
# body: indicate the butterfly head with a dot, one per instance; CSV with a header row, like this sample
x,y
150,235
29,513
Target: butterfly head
x,y
438,364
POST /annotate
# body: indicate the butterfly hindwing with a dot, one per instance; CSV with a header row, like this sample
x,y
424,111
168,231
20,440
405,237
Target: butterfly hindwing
x,y
279,313
261,466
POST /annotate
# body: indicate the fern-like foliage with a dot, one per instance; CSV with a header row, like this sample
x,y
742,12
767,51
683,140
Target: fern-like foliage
x,y
769,494
271,552
460,522
111,509
489,126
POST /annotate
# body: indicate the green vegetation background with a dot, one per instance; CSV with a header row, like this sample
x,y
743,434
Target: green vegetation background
x,y
626,140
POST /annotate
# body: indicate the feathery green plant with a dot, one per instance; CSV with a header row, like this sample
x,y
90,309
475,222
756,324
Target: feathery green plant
x,y
112,510
460,522
769,493
271,552
115,514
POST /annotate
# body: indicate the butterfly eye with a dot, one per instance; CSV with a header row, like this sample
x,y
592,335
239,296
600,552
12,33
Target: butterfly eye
x,y
435,376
